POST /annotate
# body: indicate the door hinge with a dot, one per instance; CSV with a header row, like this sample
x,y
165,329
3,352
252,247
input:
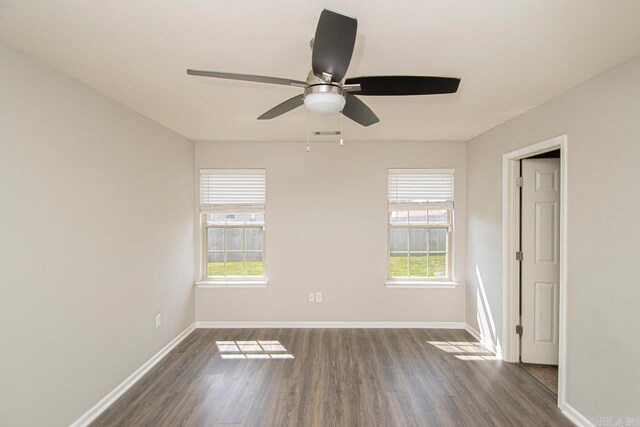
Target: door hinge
x,y
519,256
519,329
519,181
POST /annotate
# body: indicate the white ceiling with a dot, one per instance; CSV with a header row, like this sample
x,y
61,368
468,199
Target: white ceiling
x,y
511,56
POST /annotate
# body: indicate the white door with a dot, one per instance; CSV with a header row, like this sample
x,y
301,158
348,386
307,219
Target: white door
x,y
540,264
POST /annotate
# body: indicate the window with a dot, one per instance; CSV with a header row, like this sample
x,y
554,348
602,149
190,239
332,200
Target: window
x,y
420,224
232,209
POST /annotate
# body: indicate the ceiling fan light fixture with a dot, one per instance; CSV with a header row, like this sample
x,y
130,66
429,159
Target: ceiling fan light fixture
x,y
324,99
324,102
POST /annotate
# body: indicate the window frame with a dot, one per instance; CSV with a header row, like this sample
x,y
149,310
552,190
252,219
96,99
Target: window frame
x,y
251,206
426,225
427,204
205,226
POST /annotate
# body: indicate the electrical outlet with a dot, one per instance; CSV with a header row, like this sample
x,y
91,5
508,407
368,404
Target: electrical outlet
x,y
318,296
312,297
158,320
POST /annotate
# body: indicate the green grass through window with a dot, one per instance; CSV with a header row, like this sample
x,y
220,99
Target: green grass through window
x,y
235,268
398,267
418,266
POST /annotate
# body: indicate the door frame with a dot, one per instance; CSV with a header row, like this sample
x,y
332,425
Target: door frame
x,y
510,244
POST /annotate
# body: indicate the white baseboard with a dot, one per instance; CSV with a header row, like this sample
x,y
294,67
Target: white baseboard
x,y
576,417
355,325
106,401
484,341
472,331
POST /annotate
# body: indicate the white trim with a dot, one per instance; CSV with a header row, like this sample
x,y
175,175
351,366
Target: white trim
x,y
564,280
258,208
484,341
576,417
125,385
419,206
510,291
237,282
510,237
539,148
473,331
232,284
334,325
419,284
231,171
412,171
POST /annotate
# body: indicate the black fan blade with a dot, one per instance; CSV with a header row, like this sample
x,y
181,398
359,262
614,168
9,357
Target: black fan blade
x,y
280,109
248,78
404,85
358,111
333,44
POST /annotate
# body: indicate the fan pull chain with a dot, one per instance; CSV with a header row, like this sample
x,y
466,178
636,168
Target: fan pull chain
x,y
341,129
308,134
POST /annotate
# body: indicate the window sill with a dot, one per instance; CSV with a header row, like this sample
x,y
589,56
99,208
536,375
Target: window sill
x,y
233,284
419,284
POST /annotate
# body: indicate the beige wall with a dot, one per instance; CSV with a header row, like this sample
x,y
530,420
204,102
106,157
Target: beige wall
x,y
602,121
96,237
96,229
326,231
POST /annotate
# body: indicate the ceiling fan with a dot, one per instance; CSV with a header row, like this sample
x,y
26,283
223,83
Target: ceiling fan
x,y
324,92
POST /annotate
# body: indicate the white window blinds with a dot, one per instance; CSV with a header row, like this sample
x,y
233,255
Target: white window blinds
x,y
420,188
232,190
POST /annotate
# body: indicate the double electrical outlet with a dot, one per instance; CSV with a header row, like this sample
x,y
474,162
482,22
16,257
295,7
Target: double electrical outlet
x,y
315,296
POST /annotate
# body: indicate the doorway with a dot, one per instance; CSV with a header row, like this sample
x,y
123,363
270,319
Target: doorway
x,y
539,206
534,258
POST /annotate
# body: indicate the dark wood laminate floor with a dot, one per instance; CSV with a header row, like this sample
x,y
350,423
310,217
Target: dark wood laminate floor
x,y
546,374
337,377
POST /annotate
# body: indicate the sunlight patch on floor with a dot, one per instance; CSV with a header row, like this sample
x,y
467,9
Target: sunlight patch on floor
x,y
464,350
252,350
